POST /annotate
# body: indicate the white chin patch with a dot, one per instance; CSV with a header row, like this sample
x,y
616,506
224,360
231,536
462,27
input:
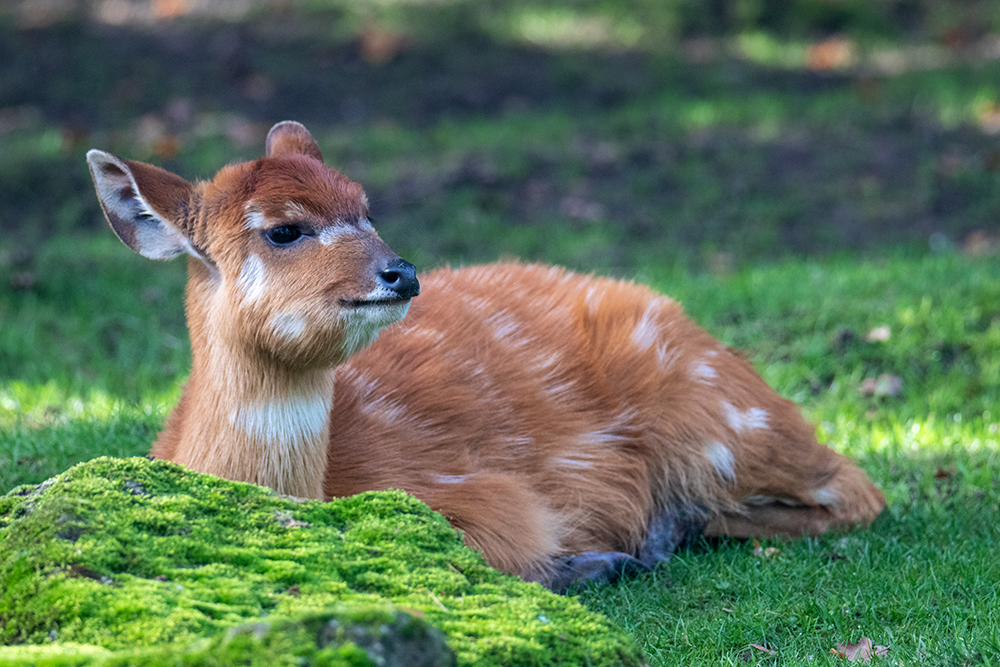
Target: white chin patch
x,y
362,324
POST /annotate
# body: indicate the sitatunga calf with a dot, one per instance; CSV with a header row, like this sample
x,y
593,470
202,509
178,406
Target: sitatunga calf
x,y
574,427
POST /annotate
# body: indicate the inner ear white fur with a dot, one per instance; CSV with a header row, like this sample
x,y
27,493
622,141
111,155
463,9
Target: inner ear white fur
x,y
135,222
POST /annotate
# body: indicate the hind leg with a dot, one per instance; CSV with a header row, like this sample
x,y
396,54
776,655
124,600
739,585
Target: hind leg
x,y
843,499
781,480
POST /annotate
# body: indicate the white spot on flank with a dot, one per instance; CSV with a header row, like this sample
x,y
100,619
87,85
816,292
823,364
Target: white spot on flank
x,y
288,326
504,325
825,495
703,373
289,419
615,433
451,479
252,279
332,234
666,355
723,460
646,331
744,420
388,410
572,462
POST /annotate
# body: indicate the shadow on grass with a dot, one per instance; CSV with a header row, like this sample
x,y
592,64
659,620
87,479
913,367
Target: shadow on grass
x,y
472,145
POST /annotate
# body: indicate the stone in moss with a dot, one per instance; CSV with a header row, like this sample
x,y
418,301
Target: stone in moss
x,y
136,557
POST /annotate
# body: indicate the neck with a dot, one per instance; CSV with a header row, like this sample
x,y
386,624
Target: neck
x,y
249,419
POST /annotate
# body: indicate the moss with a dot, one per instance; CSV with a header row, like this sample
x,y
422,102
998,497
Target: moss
x,y
137,558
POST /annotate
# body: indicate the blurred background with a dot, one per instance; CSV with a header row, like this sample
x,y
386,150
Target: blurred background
x,y
608,135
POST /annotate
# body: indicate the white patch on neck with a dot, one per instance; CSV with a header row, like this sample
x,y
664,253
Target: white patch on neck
x,y
723,460
252,279
288,326
365,224
744,420
284,421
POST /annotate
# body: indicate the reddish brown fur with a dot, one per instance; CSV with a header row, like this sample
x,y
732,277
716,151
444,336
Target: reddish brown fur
x,y
543,412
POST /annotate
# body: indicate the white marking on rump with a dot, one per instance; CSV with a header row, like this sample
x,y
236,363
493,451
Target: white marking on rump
x,y
723,460
666,356
288,326
593,300
744,420
252,279
296,418
647,331
826,495
703,373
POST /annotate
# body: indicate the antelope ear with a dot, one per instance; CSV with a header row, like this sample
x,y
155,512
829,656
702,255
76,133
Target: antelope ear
x,y
145,205
289,138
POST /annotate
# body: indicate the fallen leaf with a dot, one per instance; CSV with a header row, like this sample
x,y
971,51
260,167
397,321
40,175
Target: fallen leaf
x,y
764,649
863,650
833,53
879,334
762,552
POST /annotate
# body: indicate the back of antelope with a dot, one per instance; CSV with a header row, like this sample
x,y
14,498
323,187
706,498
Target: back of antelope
x,y
574,427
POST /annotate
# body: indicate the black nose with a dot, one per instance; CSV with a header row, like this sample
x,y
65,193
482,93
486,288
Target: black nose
x,y
401,277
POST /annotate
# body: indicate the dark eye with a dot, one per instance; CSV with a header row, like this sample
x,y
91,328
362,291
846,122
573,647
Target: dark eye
x,y
283,234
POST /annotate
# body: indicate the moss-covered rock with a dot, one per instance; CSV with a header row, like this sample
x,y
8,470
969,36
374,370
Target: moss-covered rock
x,y
122,562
